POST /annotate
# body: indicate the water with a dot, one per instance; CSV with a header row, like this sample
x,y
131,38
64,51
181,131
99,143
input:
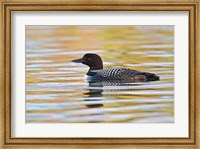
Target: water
x,y
56,91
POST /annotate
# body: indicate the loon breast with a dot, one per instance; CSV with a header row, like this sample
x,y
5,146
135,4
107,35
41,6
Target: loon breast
x,y
89,78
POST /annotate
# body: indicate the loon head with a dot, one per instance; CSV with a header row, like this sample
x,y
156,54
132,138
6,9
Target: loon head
x,y
92,60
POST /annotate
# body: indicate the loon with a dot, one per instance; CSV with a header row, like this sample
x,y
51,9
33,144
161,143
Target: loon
x,y
96,72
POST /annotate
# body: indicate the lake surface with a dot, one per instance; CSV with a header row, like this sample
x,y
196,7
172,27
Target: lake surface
x,y
56,91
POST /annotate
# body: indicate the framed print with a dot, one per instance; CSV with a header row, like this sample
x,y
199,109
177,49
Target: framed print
x,y
100,74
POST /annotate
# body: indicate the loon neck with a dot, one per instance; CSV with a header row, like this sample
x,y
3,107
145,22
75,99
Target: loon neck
x,y
92,71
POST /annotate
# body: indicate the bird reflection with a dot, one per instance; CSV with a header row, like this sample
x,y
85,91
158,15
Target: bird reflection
x,y
94,94
102,83
95,90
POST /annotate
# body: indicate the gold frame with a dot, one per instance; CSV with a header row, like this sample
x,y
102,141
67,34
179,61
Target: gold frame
x,y
192,6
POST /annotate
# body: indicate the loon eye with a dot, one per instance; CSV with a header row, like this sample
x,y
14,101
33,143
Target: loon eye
x,y
89,58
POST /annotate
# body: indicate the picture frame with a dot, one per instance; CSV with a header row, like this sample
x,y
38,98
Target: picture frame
x,y
7,7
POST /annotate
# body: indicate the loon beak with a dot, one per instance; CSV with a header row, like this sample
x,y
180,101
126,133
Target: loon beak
x,y
80,60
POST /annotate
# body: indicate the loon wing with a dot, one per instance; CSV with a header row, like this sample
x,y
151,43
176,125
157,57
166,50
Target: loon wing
x,y
117,73
125,74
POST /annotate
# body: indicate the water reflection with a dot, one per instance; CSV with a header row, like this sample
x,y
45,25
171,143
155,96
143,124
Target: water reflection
x,y
95,90
92,93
